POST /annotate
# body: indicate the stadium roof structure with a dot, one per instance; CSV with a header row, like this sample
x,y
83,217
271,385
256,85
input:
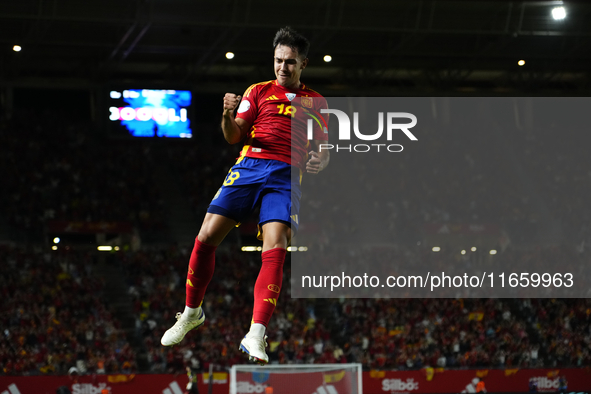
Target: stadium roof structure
x,y
410,45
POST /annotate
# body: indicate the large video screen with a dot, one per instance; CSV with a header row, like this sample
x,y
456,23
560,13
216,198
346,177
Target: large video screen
x,y
151,112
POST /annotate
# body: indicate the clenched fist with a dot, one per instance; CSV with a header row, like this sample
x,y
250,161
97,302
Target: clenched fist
x,y
231,101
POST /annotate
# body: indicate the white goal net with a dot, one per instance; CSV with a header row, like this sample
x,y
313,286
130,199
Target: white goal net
x,y
296,379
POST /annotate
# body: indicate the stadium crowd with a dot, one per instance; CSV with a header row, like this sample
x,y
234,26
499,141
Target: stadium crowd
x,y
54,317
48,331
560,169
379,333
62,172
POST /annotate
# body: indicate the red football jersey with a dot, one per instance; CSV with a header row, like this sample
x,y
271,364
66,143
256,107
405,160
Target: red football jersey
x,y
270,109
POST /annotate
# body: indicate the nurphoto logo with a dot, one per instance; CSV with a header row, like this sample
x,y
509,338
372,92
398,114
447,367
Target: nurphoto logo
x,y
345,131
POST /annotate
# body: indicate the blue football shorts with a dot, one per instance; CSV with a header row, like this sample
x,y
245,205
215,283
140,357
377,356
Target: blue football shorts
x,y
270,184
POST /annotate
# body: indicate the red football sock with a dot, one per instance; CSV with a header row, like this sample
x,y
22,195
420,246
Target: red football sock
x,y
268,285
201,266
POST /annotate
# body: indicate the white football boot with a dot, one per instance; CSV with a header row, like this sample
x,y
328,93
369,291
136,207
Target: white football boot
x,y
255,346
176,333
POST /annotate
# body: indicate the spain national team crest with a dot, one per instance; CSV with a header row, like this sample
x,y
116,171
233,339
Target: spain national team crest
x,y
307,102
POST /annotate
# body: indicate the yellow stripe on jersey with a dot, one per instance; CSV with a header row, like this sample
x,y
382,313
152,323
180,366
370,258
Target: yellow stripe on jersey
x,y
242,154
247,145
247,93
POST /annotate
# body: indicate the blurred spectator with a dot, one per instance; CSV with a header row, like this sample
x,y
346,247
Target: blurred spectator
x,y
53,317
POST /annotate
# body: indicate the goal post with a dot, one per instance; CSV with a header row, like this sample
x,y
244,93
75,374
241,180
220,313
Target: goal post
x,y
296,379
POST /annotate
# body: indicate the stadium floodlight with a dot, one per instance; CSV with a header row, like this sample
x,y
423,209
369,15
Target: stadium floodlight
x,y
307,378
493,251
105,248
463,251
54,247
436,248
303,248
17,48
558,13
521,62
327,58
473,248
56,240
229,55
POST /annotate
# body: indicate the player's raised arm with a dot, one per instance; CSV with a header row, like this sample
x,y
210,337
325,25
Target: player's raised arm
x,y
318,158
234,128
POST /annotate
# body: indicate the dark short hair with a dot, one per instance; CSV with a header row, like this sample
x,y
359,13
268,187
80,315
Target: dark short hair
x,y
291,38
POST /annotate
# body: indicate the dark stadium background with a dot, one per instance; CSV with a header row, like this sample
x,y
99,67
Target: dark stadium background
x,y
103,313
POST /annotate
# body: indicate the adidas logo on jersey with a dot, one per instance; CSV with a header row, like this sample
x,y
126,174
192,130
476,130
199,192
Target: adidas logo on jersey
x,y
273,97
271,300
